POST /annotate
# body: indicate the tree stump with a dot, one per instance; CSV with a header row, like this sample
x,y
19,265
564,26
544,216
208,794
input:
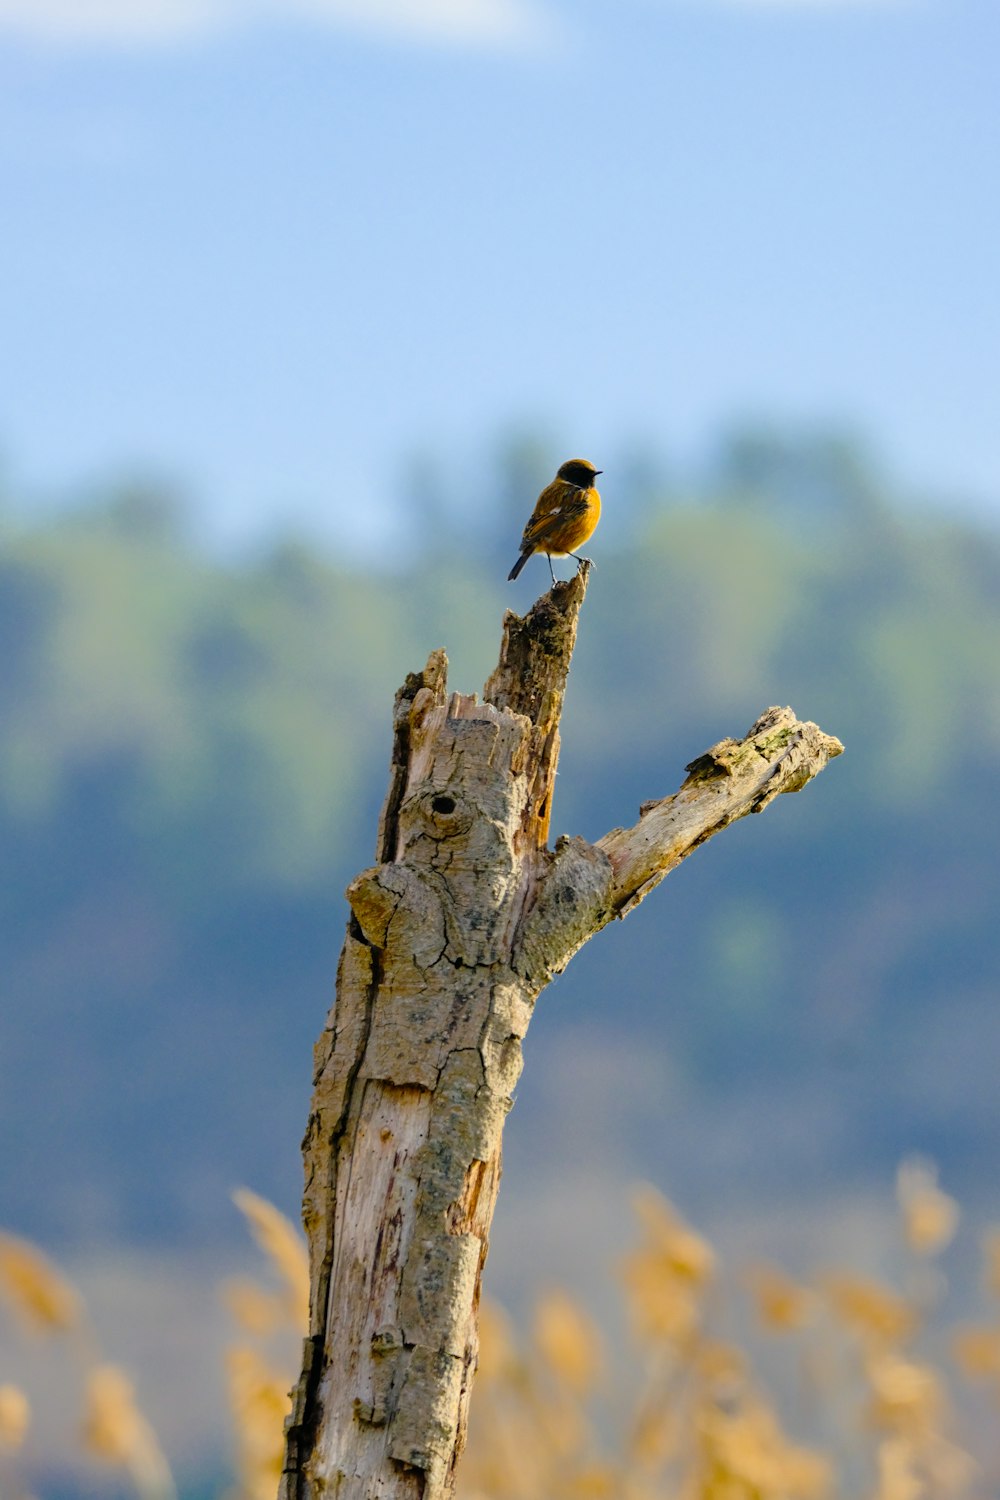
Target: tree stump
x,y
465,918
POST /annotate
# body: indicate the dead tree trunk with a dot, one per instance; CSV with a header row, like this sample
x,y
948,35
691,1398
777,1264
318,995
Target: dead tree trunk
x,y
453,933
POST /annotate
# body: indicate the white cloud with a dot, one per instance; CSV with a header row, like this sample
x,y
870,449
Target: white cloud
x,y
817,5
486,22
787,6
123,22
141,23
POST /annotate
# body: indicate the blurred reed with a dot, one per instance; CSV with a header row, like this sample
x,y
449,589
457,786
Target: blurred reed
x,y
677,1412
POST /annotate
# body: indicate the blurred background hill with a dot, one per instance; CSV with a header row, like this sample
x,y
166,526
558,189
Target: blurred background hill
x,y
193,754
301,302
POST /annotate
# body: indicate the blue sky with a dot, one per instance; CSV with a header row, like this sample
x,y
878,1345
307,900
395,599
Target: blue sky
x,y
272,250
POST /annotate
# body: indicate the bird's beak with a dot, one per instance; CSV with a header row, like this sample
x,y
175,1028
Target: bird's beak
x,y
598,471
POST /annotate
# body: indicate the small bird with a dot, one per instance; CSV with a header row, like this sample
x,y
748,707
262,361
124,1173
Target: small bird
x,y
564,517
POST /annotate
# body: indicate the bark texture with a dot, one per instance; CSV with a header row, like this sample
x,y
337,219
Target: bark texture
x,y
464,919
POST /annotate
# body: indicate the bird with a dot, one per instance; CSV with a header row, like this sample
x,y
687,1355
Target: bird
x,y
564,517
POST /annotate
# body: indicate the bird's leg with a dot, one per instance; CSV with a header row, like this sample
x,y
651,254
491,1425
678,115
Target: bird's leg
x,y
580,560
548,559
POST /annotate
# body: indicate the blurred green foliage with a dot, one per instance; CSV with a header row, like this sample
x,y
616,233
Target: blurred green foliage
x,y
193,753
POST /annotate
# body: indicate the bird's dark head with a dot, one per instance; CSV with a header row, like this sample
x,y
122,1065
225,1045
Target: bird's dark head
x,y
578,471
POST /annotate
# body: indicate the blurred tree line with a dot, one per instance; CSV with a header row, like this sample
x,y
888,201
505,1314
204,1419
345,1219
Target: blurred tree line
x,y
193,752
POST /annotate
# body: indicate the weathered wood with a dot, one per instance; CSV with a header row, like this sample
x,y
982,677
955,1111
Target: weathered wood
x,y
452,935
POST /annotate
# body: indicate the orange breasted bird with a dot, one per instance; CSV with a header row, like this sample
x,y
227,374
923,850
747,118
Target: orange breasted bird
x,y
564,517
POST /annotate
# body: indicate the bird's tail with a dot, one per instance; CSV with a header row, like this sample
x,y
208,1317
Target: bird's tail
x,y
518,566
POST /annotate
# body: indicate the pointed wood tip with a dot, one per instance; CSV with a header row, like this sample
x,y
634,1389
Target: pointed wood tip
x,y
537,648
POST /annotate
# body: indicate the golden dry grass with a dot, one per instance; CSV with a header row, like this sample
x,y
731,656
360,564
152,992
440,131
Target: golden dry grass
x,y
39,1295
112,1429
930,1217
689,1419
284,1247
115,1431
15,1415
675,1412
259,1367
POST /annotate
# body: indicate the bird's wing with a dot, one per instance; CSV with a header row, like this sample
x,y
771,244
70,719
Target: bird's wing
x,y
541,527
